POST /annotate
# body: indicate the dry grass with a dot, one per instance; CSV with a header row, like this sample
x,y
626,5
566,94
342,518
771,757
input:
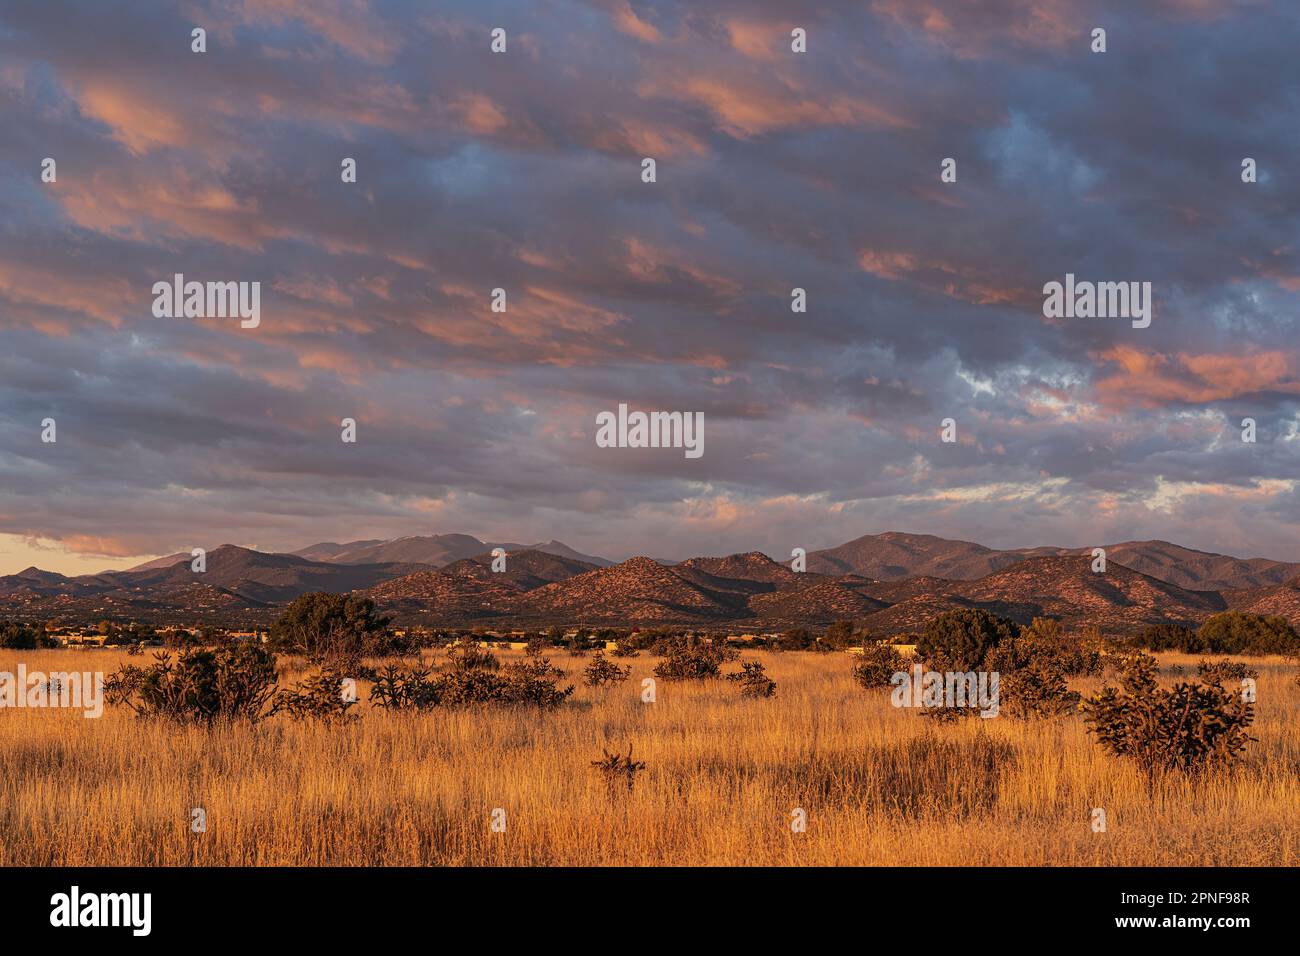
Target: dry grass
x,y
881,786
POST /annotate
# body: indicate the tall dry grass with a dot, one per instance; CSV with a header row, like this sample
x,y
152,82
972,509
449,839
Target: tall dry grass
x,y
881,786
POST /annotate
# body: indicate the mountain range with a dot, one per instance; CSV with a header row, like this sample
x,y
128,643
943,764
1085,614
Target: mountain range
x,y
896,555
435,549
890,582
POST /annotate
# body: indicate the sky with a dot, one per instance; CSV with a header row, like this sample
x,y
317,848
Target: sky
x,y
522,170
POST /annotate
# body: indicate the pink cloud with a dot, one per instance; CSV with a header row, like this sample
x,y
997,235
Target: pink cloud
x,y
1152,379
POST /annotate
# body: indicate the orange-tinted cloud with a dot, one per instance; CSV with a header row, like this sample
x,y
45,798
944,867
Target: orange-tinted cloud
x,y
626,21
756,106
977,29
139,121
758,40
479,113
349,24
1152,379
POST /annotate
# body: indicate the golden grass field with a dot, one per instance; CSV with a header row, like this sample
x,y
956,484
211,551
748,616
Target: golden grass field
x,y
880,785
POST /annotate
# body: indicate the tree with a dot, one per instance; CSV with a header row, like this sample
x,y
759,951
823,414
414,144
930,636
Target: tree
x,y
18,636
1234,633
321,624
1170,637
959,640
839,635
795,639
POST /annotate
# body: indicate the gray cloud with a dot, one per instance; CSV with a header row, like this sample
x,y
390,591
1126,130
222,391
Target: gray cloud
x,y
818,171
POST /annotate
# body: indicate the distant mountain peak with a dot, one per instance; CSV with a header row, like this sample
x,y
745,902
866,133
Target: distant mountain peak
x,y
890,582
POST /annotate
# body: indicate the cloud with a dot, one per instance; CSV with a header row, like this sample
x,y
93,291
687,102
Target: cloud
x,y
1154,379
521,171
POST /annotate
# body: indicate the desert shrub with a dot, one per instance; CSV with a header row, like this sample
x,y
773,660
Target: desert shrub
x,y
1011,654
320,698
1076,661
334,627
535,647
1072,655
1170,637
472,676
1218,672
1191,727
959,640
1235,633
1044,646
666,646
600,672
200,685
690,660
534,682
411,689
1032,664
944,714
1036,692
753,680
878,665
617,768
948,706
457,687
469,657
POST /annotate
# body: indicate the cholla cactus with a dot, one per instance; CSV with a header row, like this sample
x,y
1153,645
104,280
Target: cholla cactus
x,y
753,680
600,672
472,679
616,767
236,682
396,689
317,698
1037,691
878,665
691,660
1189,727
1217,672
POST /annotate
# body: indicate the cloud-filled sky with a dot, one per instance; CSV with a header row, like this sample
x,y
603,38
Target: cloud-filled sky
x,y
522,170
